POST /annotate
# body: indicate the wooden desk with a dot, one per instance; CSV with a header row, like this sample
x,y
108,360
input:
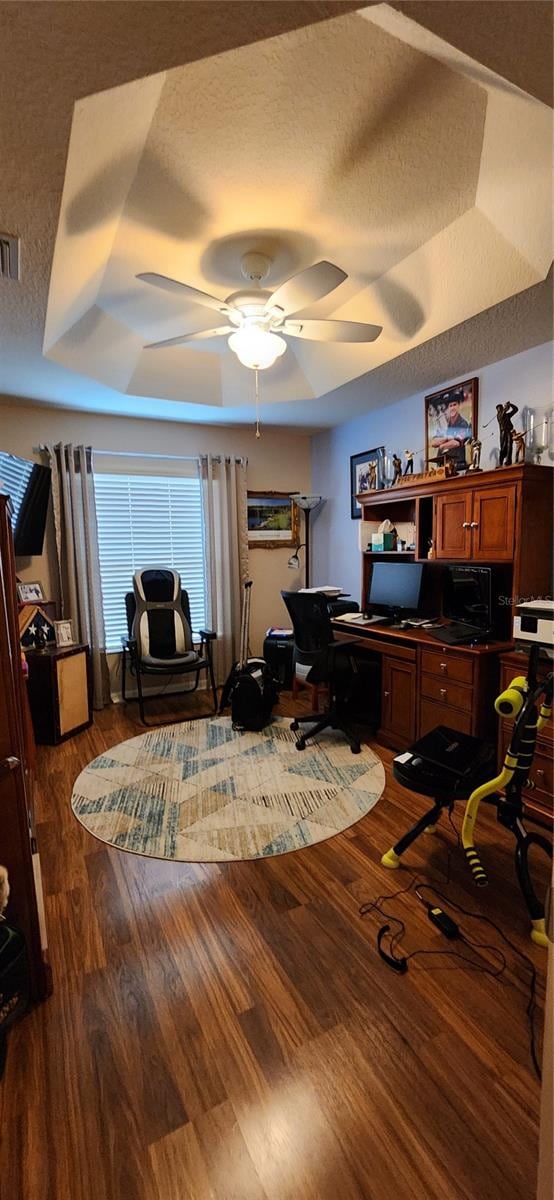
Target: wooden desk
x,y
424,684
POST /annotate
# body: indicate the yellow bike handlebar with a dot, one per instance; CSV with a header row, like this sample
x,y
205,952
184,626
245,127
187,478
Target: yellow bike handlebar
x,y
508,704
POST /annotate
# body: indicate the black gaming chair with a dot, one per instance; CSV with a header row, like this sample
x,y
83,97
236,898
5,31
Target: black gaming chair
x,y
160,640
327,661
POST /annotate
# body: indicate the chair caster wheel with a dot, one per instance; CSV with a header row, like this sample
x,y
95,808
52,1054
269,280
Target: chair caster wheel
x,y
300,744
356,749
294,726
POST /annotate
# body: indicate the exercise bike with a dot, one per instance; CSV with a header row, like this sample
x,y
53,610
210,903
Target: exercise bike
x,y
426,768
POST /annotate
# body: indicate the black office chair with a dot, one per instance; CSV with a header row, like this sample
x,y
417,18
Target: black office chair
x,y
160,640
327,661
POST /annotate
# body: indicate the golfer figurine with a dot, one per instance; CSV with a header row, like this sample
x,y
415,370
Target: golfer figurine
x,y
397,464
475,447
518,441
504,414
409,456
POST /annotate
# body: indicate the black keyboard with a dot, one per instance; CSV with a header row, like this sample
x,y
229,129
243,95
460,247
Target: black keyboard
x,y
455,634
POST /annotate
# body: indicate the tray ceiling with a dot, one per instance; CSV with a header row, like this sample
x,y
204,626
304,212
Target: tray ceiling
x,y
366,140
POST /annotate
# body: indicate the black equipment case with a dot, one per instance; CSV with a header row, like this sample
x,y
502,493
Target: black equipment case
x,y
250,687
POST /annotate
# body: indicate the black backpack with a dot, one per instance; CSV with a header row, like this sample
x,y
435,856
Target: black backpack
x,y
250,687
253,694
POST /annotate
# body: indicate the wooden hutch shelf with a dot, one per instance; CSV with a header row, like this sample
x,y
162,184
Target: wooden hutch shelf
x,y
500,518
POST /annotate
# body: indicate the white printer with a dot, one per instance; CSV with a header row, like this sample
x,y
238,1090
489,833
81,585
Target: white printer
x,y
534,622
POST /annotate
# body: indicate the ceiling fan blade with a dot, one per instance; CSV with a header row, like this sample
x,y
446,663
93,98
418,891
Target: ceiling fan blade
x,y
333,331
183,289
191,337
306,287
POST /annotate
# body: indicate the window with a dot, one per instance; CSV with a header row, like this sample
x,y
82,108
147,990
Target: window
x,y
15,474
148,521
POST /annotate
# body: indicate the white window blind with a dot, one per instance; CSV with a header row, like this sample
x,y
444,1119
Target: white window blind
x,y
148,521
15,474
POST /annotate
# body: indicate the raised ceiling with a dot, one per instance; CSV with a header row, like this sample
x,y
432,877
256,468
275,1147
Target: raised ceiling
x,y
364,139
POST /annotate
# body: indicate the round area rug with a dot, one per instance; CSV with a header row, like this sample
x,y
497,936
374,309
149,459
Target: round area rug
x,y
201,792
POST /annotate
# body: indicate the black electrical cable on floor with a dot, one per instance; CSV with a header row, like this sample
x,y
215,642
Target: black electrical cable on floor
x,y
417,886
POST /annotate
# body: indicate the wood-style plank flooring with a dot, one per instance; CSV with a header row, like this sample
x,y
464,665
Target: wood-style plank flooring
x,y
228,1032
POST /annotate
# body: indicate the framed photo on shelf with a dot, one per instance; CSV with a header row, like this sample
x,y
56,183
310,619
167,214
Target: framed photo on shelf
x,y
451,423
30,593
363,468
64,633
273,520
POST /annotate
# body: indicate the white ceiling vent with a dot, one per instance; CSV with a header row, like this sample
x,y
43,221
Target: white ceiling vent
x,y
9,256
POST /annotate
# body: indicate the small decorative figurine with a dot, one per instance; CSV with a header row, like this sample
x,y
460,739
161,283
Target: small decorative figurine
x,y
450,467
504,414
41,640
397,465
518,440
372,473
409,456
475,447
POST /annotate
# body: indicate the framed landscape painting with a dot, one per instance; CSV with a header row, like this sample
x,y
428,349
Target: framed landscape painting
x,y
272,520
363,467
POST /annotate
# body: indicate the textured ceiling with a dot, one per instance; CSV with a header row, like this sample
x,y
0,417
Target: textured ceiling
x,y
407,174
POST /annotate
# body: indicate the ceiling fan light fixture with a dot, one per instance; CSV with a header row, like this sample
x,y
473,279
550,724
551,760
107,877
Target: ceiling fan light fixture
x,y
257,348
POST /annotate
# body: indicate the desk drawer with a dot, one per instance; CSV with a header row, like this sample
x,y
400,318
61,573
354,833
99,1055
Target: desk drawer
x,y
447,666
447,692
432,713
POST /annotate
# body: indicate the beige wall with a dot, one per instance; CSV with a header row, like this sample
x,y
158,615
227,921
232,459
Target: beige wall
x,y
279,461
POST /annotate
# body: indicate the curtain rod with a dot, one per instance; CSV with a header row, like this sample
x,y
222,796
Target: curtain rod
x,y
132,454
140,454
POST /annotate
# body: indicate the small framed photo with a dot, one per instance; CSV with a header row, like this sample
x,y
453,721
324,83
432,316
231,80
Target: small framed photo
x,y
64,633
367,472
30,593
451,423
272,520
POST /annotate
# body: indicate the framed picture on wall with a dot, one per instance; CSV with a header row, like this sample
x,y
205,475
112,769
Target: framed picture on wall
x,y
272,520
451,423
29,593
367,472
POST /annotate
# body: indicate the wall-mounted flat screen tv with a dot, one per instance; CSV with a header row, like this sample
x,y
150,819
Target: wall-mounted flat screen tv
x,y
28,485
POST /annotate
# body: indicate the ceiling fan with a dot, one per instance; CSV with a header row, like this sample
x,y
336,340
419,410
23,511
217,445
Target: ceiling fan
x,y
257,319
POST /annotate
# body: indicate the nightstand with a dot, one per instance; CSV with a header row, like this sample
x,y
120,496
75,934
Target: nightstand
x,y
60,692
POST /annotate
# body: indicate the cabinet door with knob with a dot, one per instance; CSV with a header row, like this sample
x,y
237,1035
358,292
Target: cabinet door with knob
x,y
493,524
453,517
398,705
476,524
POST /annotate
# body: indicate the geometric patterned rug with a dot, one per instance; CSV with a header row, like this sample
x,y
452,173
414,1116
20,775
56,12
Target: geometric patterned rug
x,y
201,792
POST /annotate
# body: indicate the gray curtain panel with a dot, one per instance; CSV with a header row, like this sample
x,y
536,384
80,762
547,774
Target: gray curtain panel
x,y
226,542
77,553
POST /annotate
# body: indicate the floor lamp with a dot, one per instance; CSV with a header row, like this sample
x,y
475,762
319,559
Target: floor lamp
x,y
307,504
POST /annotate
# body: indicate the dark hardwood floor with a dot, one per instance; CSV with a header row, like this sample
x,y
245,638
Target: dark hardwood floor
x,y
228,1032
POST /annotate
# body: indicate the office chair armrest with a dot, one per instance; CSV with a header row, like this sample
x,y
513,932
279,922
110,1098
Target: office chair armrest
x,y
207,635
343,644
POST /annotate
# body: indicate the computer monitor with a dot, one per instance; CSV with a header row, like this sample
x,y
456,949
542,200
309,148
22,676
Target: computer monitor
x,y
467,596
395,589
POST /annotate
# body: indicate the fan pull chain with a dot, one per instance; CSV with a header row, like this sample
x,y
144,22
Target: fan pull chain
x,y
258,433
